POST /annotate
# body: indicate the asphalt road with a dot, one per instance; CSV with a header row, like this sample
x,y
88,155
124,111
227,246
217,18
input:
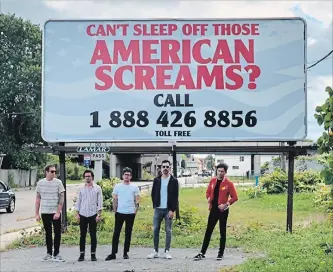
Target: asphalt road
x,y
30,260
24,214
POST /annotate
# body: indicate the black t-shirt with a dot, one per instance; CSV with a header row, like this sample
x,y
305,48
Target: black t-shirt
x,y
216,194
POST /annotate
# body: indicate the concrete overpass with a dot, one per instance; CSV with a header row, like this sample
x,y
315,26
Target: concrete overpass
x,y
131,153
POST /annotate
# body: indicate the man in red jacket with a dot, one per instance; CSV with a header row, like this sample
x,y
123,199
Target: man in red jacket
x,y
221,193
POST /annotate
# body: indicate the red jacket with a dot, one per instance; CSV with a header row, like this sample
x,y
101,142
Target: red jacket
x,y
227,188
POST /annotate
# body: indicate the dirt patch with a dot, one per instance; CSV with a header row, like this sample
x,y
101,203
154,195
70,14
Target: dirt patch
x,y
313,218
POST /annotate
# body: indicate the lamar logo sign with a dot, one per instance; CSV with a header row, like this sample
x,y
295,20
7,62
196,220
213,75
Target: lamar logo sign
x,y
93,149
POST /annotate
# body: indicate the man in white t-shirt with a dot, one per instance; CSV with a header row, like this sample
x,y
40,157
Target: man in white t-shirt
x,y
50,194
126,197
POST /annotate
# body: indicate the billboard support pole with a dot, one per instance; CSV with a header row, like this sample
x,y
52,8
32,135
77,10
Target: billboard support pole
x,y
174,164
62,161
290,200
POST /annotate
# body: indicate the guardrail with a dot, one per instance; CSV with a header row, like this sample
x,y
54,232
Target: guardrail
x,y
145,187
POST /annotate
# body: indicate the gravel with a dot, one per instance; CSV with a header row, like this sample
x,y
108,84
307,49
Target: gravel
x,y
30,260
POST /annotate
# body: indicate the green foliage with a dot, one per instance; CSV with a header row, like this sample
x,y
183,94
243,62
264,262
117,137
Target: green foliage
x,y
107,186
190,221
255,192
256,226
106,223
277,182
209,161
327,172
183,164
264,168
20,91
147,176
324,117
74,171
323,196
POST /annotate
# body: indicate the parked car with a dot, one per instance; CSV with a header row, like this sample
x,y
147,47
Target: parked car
x,y
7,198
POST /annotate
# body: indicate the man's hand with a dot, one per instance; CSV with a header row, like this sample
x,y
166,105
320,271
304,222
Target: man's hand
x,y
222,207
78,217
56,216
98,218
170,214
37,217
208,200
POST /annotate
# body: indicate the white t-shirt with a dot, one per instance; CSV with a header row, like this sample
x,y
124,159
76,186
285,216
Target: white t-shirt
x,y
126,194
49,192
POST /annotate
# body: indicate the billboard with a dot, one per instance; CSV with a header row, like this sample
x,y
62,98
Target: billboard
x,y
174,80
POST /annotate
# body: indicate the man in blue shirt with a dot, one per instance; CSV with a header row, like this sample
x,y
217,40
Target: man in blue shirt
x,y
164,196
126,197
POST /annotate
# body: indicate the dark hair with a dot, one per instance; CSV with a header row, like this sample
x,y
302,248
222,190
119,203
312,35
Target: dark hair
x,y
166,161
47,167
88,171
127,170
222,165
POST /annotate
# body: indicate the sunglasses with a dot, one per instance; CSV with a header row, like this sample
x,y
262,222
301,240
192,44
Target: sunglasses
x,y
53,171
165,166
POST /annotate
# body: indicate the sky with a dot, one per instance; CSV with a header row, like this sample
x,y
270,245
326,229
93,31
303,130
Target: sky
x,y
317,13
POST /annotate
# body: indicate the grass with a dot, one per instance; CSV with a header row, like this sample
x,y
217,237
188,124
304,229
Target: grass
x,y
255,225
73,181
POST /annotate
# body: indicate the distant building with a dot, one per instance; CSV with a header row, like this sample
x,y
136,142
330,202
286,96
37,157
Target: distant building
x,y
240,165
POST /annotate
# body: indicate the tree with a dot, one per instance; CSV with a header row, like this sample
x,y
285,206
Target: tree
x,y
209,161
183,164
324,116
20,90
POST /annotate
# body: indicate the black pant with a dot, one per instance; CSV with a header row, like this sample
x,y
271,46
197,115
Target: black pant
x,y
47,222
84,222
120,218
214,216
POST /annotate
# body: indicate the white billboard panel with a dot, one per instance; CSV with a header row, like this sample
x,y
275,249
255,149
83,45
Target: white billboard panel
x,y
174,80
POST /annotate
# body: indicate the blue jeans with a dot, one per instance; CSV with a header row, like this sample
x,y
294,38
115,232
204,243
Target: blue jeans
x,y
159,214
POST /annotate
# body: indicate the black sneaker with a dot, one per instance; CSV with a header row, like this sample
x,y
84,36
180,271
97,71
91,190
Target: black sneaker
x,y
110,257
93,258
126,256
200,256
219,256
81,258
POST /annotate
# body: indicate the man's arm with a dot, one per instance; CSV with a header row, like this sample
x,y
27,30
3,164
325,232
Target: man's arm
x,y
99,202
209,189
37,204
153,189
61,201
137,199
78,203
233,194
115,202
137,202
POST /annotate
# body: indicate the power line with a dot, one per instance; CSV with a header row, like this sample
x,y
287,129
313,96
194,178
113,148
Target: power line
x,y
315,60
323,58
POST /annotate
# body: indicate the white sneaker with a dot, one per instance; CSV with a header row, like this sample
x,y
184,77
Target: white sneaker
x,y
167,255
153,255
58,258
48,257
